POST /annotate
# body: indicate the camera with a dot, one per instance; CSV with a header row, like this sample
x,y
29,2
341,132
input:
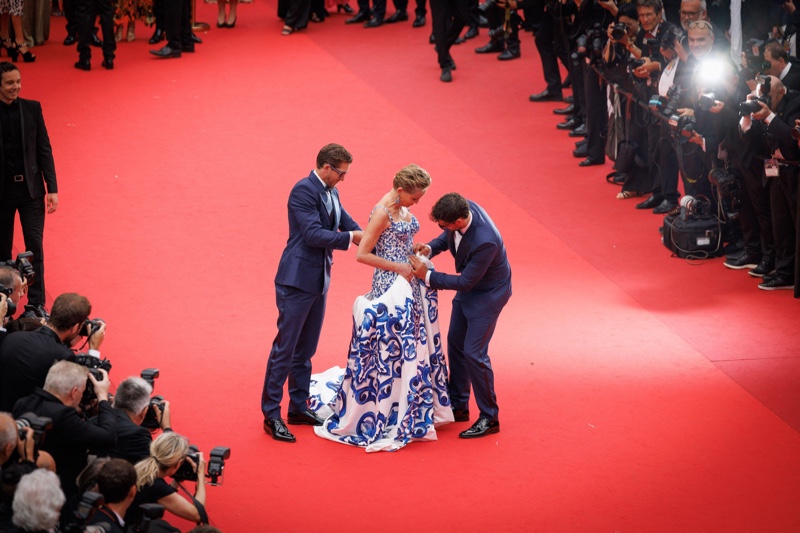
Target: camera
x,y
90,327
39,425
146,514
619,31
674,94
87,506
656,102
152,421
12,307
754,56
706,101
727,190
670,35
590,45
23,265
764,88
187,471
94,364
697,208
150,375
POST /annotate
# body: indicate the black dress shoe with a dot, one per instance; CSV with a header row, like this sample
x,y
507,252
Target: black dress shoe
x,y
278,430
766,266
374,22
569,99
359,17
108,64
509,54
493,47
419,21
743,261
580,152
446,76
398,16
588,162
472,32
481,428
565,110
70,40
546,96
460,415
776,283
580,143
569,124
83,64
166,52
459,40
307,418
651,202
580,131
157,37
198,40
95,40
664,207
567,82
189,48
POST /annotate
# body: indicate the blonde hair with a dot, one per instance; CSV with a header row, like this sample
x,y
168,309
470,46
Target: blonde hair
x,y
165,452
412,178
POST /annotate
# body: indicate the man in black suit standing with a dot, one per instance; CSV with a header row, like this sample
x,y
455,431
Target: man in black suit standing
x,y
116,481
178,28
27,161
71,436
26,356
449,18
783,66
318,225
483,286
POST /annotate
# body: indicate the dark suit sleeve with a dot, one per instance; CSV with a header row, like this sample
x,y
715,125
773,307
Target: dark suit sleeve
x,y
44,152
439,244
347,223
478,263
304,205
103,434
781,129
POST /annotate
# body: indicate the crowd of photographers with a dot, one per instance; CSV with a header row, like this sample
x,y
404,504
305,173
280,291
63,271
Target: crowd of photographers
x,y
657,89
74,457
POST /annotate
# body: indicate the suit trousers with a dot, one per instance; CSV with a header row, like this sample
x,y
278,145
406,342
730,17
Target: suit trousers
x,y
86,12
783,202
178,23
298,14
300,316
551,48
402,5
468,358
596,114
755,216
31,216
449,18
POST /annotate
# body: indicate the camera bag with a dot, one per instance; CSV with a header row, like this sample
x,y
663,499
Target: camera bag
x,y
692,237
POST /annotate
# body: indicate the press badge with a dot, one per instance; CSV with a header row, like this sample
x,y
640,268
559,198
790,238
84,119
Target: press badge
x,y
771,168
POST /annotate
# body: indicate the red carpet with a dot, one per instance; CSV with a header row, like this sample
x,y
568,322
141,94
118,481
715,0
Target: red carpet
x,y
638,392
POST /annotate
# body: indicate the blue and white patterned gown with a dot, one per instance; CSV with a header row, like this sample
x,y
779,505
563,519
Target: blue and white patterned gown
x,y
394,389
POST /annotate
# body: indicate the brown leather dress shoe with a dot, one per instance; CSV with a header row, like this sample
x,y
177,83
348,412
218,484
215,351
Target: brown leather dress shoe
x,y
278,430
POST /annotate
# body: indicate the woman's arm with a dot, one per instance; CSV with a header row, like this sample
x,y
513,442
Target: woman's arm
x,y
376,225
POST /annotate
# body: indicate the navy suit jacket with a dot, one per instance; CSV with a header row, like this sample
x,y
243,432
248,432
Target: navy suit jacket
x,y
484,283
40,170
313,236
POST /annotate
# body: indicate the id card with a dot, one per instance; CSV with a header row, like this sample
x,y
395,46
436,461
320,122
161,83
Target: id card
x,y
771,168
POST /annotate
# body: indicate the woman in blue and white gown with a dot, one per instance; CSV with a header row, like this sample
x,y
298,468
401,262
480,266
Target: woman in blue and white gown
x,y
394,389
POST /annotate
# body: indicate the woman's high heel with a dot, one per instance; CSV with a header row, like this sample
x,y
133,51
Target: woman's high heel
x,y
344,7
27,56
11,49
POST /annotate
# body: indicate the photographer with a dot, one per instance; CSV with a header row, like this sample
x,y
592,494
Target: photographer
x,y
71,436
167,453
131,403
26,356
504,23
782,65
774,122
37,502
116,481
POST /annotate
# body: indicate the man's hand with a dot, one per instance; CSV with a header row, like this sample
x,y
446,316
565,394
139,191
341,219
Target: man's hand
x,y
762,113
788,6
166,422
3,305
717,107
97,337
419,268
422,249
697,139
52,202
648,67
686,112
357,235
101,387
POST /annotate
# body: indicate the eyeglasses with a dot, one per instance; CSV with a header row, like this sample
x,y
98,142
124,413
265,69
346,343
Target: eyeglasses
x,y
700,24
339,172
690,14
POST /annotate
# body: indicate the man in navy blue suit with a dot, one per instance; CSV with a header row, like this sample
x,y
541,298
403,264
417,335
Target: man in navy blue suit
x,y
318,225
483,286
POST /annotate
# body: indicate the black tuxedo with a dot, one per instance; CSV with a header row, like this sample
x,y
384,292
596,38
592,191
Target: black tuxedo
x,y
25,359
792,78
71,436
133,442
26,195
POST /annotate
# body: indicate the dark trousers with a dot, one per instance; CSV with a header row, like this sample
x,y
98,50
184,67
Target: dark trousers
x,y
178,23
596,114
550,46
300,317
783,202
449,18
402,5
468,359
158,13
755,216
666,186
16,198
87,13
378,8
297,16
73,23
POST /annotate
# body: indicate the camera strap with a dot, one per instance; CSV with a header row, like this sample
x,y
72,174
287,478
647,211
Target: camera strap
x,y
201,509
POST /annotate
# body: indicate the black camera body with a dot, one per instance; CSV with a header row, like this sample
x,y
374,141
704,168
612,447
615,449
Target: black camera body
x,y
12,307
39,425
188,472
706,101
94,364
146,514
590,45
90,327
674,94
216,464
23,265
619,30
86,508
151,419
727,185
764,88
668,37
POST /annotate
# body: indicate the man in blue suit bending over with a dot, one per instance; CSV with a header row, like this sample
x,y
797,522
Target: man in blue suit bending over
x,y
318,225
483,283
